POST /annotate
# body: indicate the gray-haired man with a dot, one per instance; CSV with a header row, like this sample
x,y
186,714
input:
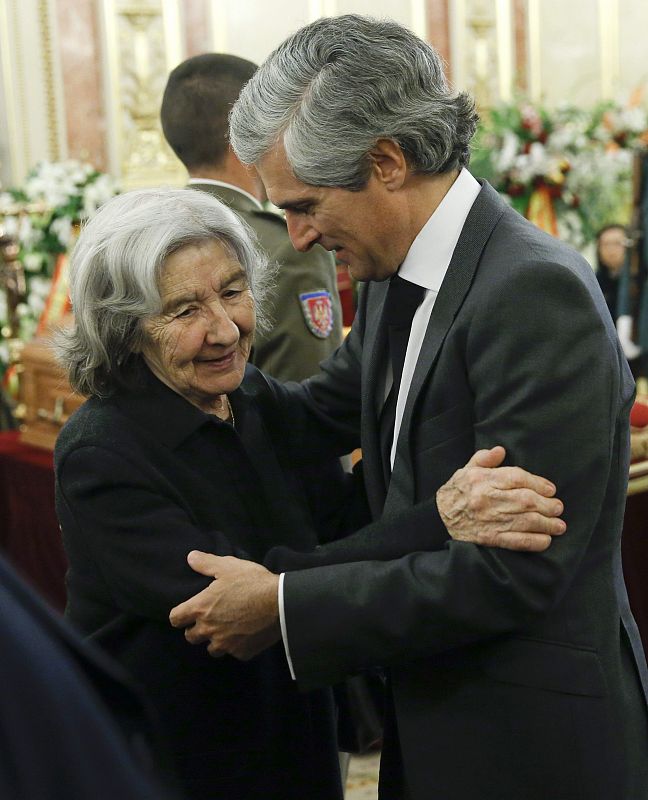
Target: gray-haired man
x,y
511,674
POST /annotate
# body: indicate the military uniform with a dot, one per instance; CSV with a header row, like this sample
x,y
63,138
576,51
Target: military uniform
x,y
305,309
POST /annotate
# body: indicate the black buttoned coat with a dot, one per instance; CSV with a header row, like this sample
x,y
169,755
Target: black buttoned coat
x,y
142,478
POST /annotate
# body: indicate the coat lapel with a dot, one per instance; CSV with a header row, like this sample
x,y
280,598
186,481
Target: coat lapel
x,y
373,362
482,218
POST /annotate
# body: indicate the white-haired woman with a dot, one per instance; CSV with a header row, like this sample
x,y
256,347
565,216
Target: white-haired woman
x,y
177,449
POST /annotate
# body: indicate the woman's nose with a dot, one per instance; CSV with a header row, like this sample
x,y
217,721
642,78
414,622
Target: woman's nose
x,y
302,234
221,328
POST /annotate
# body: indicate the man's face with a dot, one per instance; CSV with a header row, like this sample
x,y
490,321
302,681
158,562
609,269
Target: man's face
x,y
362,228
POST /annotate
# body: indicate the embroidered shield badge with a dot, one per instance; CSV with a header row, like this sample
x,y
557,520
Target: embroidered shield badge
x,y
318,312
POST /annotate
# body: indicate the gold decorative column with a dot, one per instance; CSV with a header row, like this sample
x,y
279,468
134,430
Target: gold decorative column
x,y
483,49
142,44
32,125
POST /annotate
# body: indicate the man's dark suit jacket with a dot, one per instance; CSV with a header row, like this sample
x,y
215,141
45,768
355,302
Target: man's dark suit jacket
x,y
142,478
71,726
512,675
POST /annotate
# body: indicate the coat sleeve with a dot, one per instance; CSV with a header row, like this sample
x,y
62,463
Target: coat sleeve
x,y
125,529
545,371
320,417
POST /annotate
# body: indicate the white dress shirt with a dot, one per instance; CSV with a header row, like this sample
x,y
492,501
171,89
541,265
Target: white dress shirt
x,y
425,264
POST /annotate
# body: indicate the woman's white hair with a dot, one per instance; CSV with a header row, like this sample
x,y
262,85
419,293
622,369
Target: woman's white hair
x,y
115,271
337,86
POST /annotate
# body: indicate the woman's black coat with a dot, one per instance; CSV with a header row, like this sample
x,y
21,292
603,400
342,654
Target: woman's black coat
x,y
142,478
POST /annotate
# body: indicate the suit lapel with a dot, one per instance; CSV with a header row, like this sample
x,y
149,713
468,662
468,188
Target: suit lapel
x,y
373,362
482,218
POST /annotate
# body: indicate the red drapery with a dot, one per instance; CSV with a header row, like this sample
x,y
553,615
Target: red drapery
x,y
29,532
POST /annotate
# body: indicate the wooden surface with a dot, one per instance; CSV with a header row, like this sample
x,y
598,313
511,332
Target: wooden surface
x,y
47,396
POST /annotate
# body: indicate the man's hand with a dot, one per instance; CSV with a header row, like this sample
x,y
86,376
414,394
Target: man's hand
x,y
237,614
506,507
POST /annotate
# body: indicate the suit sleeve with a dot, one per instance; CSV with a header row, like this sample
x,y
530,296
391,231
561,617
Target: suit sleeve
x,y
545,372
321,415
290,351
133,532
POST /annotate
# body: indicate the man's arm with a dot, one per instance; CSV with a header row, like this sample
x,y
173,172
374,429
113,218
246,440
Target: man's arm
x,y
239,612
506,507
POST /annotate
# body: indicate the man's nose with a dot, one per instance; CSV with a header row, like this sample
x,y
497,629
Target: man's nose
x,y
302,233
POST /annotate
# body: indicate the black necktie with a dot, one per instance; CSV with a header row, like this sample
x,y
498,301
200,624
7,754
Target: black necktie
x,y
403,298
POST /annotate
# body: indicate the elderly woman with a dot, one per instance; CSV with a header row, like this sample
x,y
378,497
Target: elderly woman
x,y
175,450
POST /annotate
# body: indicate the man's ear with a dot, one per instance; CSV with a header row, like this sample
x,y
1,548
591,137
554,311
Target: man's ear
x,y
389,164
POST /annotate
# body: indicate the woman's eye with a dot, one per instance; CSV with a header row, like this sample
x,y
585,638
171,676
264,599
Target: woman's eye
x,y
185,312
231,293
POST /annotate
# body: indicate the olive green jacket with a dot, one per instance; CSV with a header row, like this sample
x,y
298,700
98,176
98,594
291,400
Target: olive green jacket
x,y
305,306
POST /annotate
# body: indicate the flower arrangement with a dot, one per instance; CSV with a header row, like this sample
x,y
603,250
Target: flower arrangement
x,y
42,217
569,170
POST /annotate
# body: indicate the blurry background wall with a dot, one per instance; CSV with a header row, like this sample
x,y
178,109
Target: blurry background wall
x,y
83,78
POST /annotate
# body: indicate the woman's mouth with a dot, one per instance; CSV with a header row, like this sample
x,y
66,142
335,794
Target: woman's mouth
x,y
218,364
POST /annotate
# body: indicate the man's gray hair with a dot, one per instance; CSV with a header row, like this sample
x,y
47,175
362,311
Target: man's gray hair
x,y
336,86
115,271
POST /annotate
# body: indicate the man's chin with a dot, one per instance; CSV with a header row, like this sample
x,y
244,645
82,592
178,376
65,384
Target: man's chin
x,y
359,272
368,272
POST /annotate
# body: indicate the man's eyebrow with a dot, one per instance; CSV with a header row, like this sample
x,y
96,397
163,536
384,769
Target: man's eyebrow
x,y
295,205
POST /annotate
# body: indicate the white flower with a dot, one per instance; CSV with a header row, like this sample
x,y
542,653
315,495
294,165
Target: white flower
x,y
57,183
570,228
40,286
33,262
10,226
505,158
61,227
28,235
567,138
529,165
632,119
96,193
6,202
37,297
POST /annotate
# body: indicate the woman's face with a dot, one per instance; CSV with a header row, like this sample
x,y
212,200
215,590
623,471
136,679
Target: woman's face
x,y
612,249
201,341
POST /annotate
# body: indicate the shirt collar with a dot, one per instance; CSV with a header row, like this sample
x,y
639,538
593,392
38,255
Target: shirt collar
x,y
428,259
225,185
167,416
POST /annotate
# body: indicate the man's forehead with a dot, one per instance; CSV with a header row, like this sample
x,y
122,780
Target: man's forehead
x,y
279,180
